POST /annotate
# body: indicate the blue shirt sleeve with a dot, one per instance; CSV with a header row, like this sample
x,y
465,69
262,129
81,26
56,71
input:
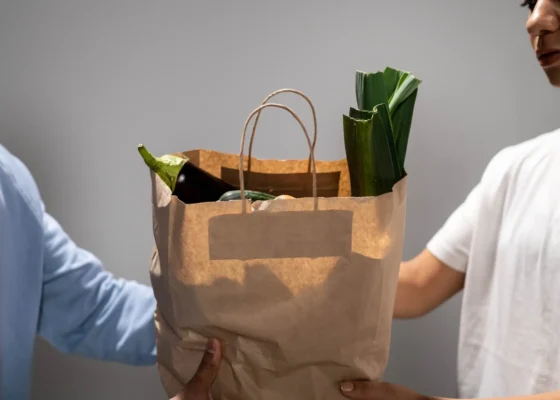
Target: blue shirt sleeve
x,y
86,310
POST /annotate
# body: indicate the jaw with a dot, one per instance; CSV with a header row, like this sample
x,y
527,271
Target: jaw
x,y
553,75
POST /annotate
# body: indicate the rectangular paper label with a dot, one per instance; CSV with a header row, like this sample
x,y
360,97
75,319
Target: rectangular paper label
x,y
285,234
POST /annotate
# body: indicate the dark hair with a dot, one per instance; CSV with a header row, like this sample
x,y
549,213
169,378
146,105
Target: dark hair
x,y
529,3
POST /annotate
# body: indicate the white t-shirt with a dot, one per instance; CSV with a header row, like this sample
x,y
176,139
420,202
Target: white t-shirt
x,y
506,237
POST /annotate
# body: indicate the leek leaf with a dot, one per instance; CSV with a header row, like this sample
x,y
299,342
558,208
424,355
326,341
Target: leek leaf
x,y
360,114
370,90
402,122
383,112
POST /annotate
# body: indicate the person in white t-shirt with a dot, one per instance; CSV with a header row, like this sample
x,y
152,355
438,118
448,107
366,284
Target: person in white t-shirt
x,y
502,248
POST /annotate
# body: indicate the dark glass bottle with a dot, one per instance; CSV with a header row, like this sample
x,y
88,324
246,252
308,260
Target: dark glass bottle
x,y
188,182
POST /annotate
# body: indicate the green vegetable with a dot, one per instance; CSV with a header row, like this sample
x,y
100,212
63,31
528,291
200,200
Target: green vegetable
x,y
360,114
376,133
370,90
249,194
187,181
167,167
387,128
392,77
358,143
402,121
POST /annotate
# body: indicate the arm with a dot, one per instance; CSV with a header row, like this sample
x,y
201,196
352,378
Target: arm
x,y
83,309
425,282
87,311
370,390
438,273
542,396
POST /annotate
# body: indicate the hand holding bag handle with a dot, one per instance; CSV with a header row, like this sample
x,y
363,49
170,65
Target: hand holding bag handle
x,y
310,144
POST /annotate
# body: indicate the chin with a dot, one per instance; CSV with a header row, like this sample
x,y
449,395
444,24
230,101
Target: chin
x,y
554,76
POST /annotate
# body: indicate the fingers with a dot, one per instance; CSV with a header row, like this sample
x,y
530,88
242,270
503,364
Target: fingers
x,y
207,371
365,390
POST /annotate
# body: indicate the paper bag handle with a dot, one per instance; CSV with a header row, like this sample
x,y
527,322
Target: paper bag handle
x,y
311,152
271,95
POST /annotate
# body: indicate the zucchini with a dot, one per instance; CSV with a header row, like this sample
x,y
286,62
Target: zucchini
x,y
249,194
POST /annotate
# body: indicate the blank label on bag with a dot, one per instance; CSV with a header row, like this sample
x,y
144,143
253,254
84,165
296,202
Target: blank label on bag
x,y
285,234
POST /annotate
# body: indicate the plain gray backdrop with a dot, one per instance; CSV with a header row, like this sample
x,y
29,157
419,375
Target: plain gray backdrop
x,y
83,82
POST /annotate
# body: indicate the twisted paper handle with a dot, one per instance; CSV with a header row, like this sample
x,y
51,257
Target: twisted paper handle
x,y
311,152
259,115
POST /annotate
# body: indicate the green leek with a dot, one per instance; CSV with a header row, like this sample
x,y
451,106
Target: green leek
x,y
376,133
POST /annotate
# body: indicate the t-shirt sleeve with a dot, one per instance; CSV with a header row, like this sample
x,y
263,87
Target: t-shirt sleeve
x,y
451,244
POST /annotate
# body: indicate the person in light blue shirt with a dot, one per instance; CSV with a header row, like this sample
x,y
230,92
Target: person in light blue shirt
x,y
51,287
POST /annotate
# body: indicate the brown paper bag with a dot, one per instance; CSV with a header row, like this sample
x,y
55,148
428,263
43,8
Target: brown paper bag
x,y
300,291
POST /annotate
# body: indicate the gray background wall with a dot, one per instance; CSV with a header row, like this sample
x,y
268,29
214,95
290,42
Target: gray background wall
x,y
83,82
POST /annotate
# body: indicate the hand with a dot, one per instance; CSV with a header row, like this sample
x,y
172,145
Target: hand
x,y
370,390
198,388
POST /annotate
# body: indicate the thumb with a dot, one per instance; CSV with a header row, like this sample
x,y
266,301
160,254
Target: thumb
x,y
366,390
207,371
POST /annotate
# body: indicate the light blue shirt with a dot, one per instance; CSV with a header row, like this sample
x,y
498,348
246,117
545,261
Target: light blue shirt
x,y
52,288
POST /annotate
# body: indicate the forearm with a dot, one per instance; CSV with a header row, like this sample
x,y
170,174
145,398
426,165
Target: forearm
x,y
122,327
409,301
86,310
98,316
424,283
541,396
